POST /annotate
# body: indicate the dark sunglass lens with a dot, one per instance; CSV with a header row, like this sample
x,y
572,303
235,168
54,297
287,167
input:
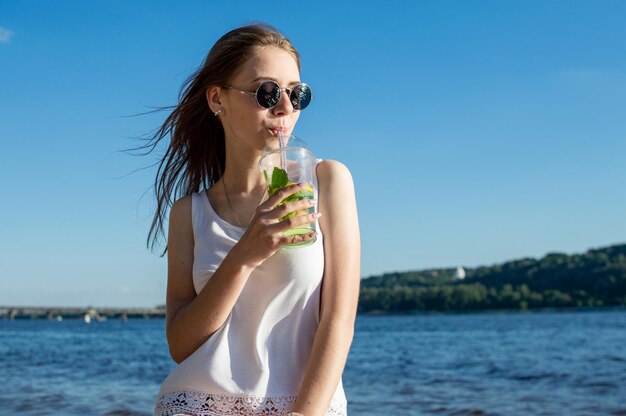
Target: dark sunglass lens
x,y
300,96
268,94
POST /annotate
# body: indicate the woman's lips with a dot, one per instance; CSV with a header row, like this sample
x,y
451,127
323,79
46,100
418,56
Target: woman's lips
x,y
275,130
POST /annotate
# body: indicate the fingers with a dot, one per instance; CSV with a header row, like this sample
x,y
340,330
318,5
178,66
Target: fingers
x,y
284,216
287,201
291,209
297,238
292,222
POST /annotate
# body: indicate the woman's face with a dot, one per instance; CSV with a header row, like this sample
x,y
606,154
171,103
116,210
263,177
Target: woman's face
x,y
246,123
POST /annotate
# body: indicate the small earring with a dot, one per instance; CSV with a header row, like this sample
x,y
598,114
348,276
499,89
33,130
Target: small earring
x,y
218,112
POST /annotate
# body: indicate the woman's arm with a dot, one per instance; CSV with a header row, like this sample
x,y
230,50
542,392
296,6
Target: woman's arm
x,y
191,319
340,289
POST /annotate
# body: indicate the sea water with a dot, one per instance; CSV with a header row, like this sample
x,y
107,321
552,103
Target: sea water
x,y
570,363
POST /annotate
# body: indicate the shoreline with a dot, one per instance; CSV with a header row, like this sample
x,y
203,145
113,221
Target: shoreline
x,y
85,313
124,314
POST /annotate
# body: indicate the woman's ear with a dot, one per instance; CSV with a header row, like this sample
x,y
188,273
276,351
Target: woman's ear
x,y
213,99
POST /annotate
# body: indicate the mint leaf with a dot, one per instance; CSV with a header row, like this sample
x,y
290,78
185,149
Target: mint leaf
x,y
279,180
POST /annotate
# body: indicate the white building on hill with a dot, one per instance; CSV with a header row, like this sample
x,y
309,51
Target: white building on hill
x,y
460,273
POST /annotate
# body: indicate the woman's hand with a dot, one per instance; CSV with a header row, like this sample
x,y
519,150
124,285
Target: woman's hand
x,y
264,235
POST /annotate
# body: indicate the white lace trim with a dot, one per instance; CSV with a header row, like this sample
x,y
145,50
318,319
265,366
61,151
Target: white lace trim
x,y
195,403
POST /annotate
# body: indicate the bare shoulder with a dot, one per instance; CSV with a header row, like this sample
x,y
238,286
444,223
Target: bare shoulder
x,y
180,232
337,201
328,166
181,206
334,173
180,212
180,243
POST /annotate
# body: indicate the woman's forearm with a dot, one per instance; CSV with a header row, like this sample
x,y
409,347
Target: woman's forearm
x,y
195,322
328,358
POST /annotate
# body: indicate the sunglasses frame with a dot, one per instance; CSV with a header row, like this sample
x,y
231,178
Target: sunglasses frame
x,y
280,89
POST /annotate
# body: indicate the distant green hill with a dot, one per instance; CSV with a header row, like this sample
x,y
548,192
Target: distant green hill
x,y
595,278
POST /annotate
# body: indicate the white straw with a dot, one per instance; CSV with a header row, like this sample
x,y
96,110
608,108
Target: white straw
x,y
281,142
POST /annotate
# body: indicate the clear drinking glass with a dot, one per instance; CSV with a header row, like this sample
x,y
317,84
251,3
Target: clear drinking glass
x,y
288,165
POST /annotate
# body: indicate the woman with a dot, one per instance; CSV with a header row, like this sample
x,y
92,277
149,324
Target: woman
x,y
256,330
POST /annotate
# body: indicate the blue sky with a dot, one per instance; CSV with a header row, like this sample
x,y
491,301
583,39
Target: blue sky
x,y
476,132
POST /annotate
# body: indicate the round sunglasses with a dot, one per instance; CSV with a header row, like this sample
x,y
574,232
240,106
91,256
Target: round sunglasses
x,y
268,94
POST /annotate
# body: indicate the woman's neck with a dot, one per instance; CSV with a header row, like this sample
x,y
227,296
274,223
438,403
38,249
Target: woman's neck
x,y
242,172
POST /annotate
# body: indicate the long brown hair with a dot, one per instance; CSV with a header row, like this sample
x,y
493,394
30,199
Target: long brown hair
x,y
195,155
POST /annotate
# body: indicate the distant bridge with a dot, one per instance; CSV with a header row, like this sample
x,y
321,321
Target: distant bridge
x,y
86,313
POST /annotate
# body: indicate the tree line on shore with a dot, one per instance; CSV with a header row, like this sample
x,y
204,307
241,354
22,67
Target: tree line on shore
x,y
596,278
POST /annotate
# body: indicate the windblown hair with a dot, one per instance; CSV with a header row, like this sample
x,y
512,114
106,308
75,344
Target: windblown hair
x,y
195,155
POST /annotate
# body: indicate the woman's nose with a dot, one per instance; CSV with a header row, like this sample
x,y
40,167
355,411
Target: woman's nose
x,y
284,105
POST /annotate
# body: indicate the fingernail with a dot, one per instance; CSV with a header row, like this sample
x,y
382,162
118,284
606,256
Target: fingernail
x,y
317,215
312,201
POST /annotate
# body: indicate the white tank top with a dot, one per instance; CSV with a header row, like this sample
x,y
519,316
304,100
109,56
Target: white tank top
x,y
255,363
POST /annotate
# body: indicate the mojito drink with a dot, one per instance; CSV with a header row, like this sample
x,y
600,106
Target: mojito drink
x,y
278,179
286,163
